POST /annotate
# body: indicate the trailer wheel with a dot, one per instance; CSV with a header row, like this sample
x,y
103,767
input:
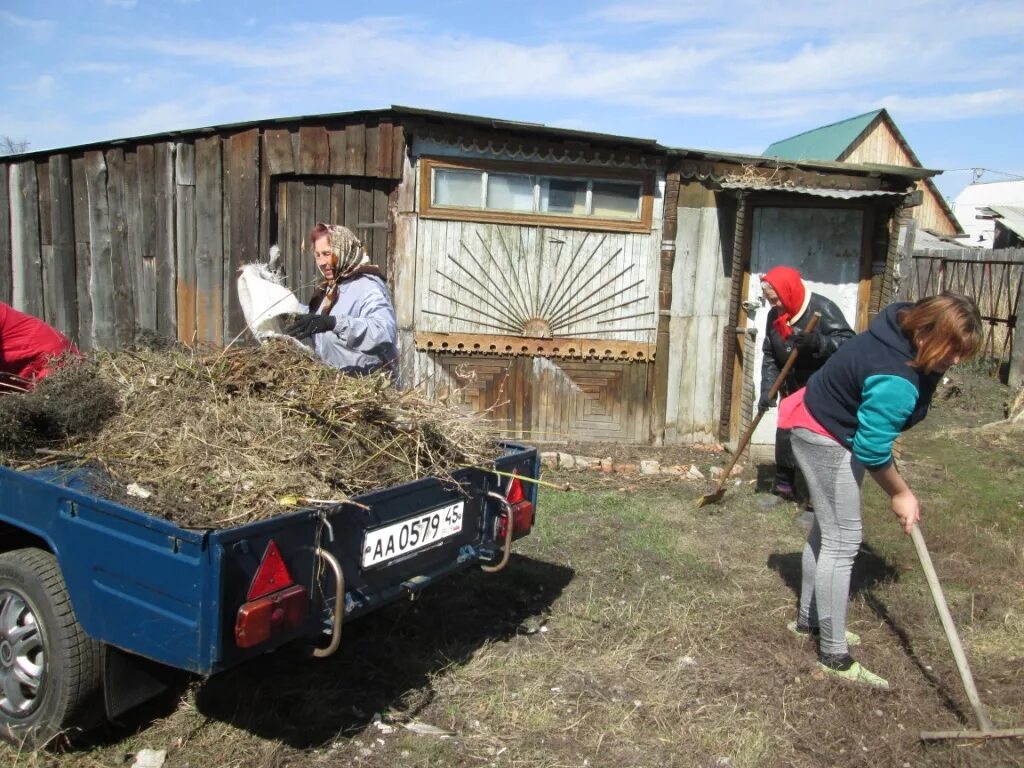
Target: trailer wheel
x,y
50,670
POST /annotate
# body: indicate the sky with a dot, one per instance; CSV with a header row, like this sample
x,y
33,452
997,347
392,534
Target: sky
x,y
725,75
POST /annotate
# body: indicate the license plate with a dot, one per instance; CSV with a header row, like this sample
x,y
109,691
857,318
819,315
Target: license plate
x,y
412,534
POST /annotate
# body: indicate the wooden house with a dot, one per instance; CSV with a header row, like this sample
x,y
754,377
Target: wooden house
x,y
872,138
578,286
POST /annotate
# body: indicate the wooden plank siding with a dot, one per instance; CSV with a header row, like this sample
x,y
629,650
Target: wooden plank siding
x,y
149,237
699,316
101,273
120,267
83,252
26,250
5,234
881,145
185,241
241,187
209,239
146,237
503,280
60,275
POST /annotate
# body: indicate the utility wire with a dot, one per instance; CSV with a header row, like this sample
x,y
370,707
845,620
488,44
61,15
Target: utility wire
x,y
979,172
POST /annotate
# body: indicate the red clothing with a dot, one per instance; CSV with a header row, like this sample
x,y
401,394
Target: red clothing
x,y
791,292
28,345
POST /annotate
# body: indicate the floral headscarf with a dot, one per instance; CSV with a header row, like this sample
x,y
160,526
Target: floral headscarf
x,y
352,261
348,250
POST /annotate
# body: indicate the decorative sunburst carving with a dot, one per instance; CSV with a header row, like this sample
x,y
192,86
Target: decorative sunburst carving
x,y
499,292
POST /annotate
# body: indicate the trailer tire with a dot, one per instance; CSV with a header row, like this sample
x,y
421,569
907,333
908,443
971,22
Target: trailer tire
x,y
50,670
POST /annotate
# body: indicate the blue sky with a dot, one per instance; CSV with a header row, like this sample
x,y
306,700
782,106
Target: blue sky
x,y
731,75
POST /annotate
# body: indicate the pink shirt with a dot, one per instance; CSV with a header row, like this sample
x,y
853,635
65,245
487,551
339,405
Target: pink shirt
x,y
793,413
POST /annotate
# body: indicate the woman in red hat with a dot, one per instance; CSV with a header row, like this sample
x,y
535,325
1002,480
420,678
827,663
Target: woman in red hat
x,y
792,307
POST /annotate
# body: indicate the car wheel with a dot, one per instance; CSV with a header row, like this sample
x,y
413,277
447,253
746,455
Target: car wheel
x,y
50,670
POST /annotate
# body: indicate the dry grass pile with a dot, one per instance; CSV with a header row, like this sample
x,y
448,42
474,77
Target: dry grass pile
x,y
230,437
73,403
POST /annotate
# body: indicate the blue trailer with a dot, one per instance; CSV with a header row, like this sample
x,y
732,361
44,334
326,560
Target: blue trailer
x,y
98,600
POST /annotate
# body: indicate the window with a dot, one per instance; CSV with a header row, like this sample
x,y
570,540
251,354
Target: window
x,y
492,191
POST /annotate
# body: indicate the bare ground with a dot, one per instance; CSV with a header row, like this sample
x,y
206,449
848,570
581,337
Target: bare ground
x,y
632,629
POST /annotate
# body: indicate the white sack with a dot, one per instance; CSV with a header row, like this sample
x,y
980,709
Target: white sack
x,y
265,299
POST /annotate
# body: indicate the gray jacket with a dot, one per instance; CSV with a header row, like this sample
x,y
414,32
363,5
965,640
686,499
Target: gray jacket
x,y
365,336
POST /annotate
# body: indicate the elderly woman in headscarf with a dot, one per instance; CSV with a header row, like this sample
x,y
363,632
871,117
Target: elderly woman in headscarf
x,y
351,319
792,307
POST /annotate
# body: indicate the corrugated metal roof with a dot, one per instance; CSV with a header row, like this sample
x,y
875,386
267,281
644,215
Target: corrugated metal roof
x,y
1011,217
838,194
825,143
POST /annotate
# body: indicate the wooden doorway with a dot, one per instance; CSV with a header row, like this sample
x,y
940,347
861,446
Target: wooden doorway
x,y
357,202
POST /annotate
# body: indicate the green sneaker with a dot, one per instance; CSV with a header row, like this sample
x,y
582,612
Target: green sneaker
x,y
852,638
845,668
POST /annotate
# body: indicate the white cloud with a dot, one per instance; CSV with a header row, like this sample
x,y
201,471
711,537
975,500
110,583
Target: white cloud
x,y
997,101
799,63
38,28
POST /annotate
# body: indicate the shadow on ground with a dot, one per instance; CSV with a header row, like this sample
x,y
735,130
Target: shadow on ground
x,y
386,660
869,570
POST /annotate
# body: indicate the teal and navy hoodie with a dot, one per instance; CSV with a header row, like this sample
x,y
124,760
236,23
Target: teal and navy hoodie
x,y
866,394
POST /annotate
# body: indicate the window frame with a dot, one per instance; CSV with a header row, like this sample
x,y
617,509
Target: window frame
x,y
590,174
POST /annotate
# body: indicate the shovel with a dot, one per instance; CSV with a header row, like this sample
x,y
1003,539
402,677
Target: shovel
x,y
986,729
719,492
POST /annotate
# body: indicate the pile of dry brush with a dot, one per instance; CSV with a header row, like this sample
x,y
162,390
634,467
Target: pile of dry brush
x,y
224,438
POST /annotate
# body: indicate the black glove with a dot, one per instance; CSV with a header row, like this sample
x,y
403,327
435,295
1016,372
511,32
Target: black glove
x,y
807,342
763,404
307,325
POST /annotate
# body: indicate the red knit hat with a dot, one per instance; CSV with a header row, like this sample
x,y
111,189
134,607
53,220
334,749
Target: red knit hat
x,y
791,291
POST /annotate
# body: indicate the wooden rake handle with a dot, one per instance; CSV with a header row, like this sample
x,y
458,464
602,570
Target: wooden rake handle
x,y
950,628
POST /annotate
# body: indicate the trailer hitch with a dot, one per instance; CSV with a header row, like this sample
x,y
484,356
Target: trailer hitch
x,y
339,604
507,546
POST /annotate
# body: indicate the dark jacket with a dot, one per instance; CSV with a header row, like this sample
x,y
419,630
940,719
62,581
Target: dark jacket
x,y
868,393
832,330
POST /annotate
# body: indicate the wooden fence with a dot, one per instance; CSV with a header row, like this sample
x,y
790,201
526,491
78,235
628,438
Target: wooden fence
x,y
995,280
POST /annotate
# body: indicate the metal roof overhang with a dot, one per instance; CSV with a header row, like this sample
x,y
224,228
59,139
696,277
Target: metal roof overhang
x,y
835,194
1011,217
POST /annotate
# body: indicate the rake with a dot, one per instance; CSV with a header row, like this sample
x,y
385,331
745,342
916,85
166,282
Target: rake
x,y
986,729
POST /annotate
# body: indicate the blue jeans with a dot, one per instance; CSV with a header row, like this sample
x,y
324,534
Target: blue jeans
x,y
834,478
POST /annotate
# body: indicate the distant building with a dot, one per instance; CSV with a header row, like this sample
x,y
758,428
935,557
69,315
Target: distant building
x,y
866,139
975,207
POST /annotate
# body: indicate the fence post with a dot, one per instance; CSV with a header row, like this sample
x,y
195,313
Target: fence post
x,y
1015,371
905,262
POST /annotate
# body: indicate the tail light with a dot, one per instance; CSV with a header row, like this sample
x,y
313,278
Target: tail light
x,y
521,508
275,604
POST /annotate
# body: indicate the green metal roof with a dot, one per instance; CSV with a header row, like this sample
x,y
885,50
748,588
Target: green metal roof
x,y
826,143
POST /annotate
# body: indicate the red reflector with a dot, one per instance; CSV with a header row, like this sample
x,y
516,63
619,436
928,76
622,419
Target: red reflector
x,y
515,491
522,519
262,619
522,516
272,574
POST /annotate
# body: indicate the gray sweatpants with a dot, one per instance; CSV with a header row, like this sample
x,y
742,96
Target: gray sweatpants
x,y
834,479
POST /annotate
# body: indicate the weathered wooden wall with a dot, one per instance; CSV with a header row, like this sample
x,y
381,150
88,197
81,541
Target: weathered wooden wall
x,y
493,281
700,313
145,237
881,145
